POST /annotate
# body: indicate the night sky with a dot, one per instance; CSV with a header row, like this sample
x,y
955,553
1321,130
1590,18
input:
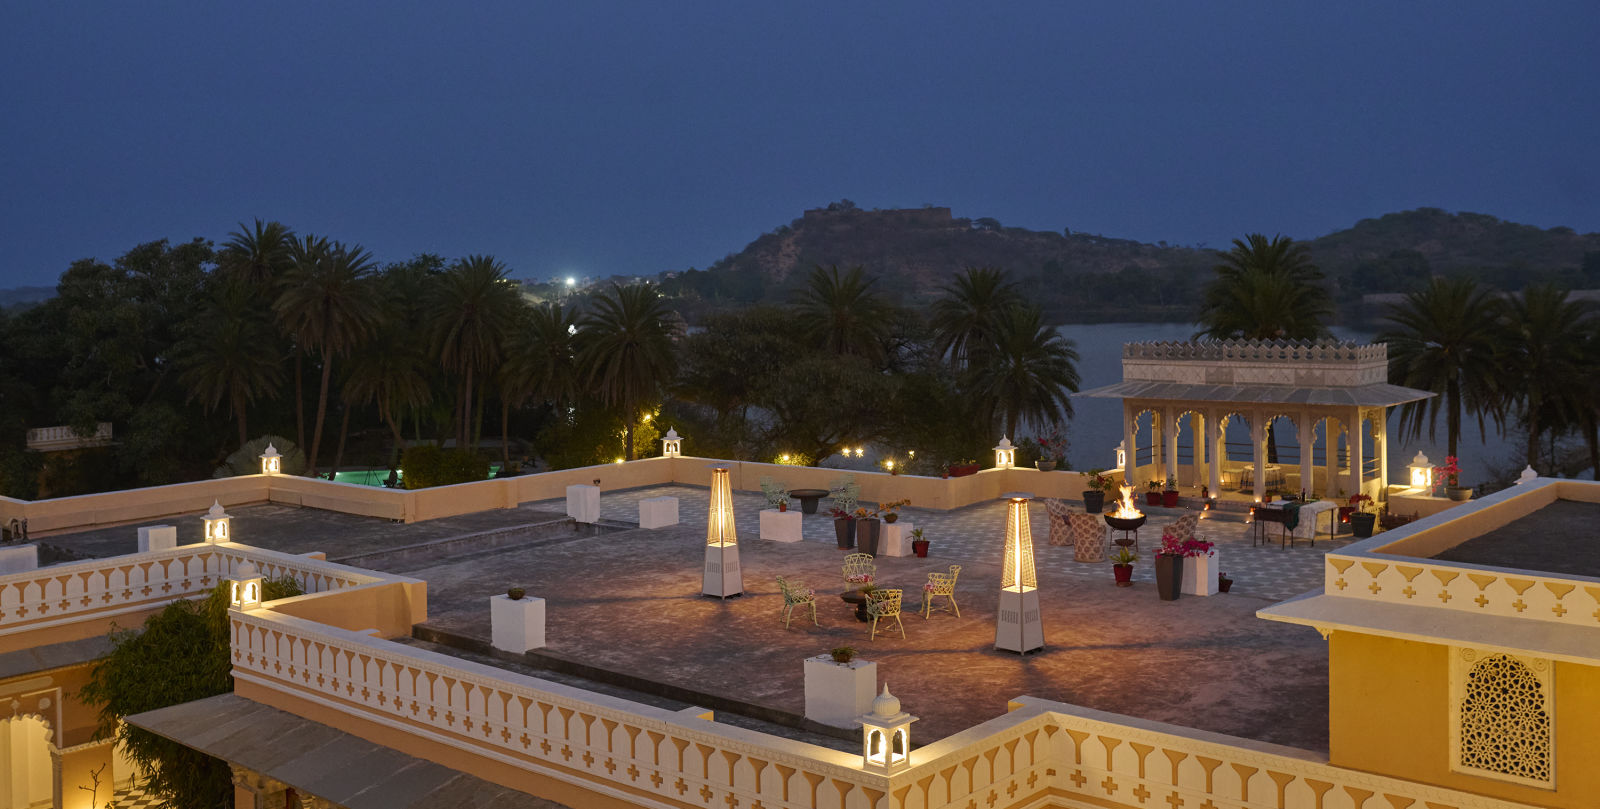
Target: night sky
x,y
599,138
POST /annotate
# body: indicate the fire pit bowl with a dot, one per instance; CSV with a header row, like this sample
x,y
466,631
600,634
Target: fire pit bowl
x,y
1125,523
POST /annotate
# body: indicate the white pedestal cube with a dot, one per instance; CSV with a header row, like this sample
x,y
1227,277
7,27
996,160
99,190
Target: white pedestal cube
x,y
516,626
839,693
1017,626
1200,576
157,537
19,558
583,502
722,577
658,512
896,540
780,526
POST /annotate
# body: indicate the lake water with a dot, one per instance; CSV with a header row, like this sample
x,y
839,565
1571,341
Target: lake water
x,y
1096,429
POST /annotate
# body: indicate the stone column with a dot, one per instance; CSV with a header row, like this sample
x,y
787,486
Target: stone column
x,y
1258,452
1169,424
1197,435
1217,438
1306,431
1330,459
1381,436
1354,437
1129,413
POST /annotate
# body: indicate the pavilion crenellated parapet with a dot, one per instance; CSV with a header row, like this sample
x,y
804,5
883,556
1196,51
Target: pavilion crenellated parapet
x,y
1331,364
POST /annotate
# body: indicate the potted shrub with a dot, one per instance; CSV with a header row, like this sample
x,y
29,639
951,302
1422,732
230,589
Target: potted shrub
x,y
1101,485
1052,450
1361,520
776,492
1169,562
1169,495
1450,473
961,469
919,546
842,654
515,593
1122,566
891,510
1152,492
1224,584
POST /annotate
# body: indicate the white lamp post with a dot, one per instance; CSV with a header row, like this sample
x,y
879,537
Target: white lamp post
x,y
723,576
1122,455
217,524
671,445
245,590
1421,473
886,735
1017,625
1005,455
1527,476
271,461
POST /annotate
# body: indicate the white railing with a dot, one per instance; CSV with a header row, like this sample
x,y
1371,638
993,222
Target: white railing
x,y
67,438
1570,600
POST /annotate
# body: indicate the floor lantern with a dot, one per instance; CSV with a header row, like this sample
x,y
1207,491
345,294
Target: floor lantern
x,y
217,524
722,577
1017,625
1005,455
271,461
1421,470
244,592
671,445
886,735
1122,455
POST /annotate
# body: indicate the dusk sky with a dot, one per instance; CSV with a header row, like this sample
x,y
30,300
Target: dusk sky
x,y
600,138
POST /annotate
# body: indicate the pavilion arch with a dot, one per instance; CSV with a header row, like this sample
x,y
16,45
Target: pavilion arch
x,y
1211,384
26,757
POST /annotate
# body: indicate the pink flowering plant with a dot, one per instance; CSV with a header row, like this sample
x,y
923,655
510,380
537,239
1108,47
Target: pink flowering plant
x,y
1053,446
1450,473
859,578
1190,547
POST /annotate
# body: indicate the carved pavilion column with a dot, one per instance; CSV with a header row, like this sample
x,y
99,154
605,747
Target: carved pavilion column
x,y
1169,440
1381,436
1330,455
1197,435
1216,437
1354,438
1258,453
1128,415
1307,432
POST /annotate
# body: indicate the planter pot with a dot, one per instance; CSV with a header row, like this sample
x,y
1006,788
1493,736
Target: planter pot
x,y
1459,493
920,547
1361,523
1224,585
867,535
890,517
1169,577
783,506
1045,466
1169,499
1200,575
1152,498
845,529
1124,574
963,471
1093,500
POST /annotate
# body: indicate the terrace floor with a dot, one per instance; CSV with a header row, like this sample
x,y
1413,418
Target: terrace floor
x,y
1563,537
627,602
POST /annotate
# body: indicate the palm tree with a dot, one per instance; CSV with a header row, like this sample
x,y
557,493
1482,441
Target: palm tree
x,y
474,308
627,350
1265,290
965,317
540,363
1029,377
391,374
328,306
258,255
842,314
230,355
1439,342
1544,333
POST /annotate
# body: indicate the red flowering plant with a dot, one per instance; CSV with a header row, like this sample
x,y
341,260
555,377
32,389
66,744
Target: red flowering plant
x,y
1360,501
1450,473
1053,446
1190,547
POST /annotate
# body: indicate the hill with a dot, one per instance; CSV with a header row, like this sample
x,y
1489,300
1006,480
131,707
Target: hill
x,y
1082,277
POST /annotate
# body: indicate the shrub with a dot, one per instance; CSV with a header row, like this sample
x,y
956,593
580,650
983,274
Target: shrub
x,y
427,465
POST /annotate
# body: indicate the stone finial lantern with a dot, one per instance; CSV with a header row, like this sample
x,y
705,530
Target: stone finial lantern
x,y
722,576
671,444
244,592
218,524
1017,625
1005,455
1527,476
886,735
1421,470
271,461
1122,455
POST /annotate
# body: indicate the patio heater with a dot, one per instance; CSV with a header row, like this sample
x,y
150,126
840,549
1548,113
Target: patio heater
x,y
1017,625
722,577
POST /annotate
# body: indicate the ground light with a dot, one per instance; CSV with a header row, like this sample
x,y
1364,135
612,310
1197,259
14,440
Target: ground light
x,y
722,577
671,445
886,735
218,524
1005,455
271,461
1017,624
245,590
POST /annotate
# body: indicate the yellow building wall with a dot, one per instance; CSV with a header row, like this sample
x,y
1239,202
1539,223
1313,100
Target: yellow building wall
x,y
1389,713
